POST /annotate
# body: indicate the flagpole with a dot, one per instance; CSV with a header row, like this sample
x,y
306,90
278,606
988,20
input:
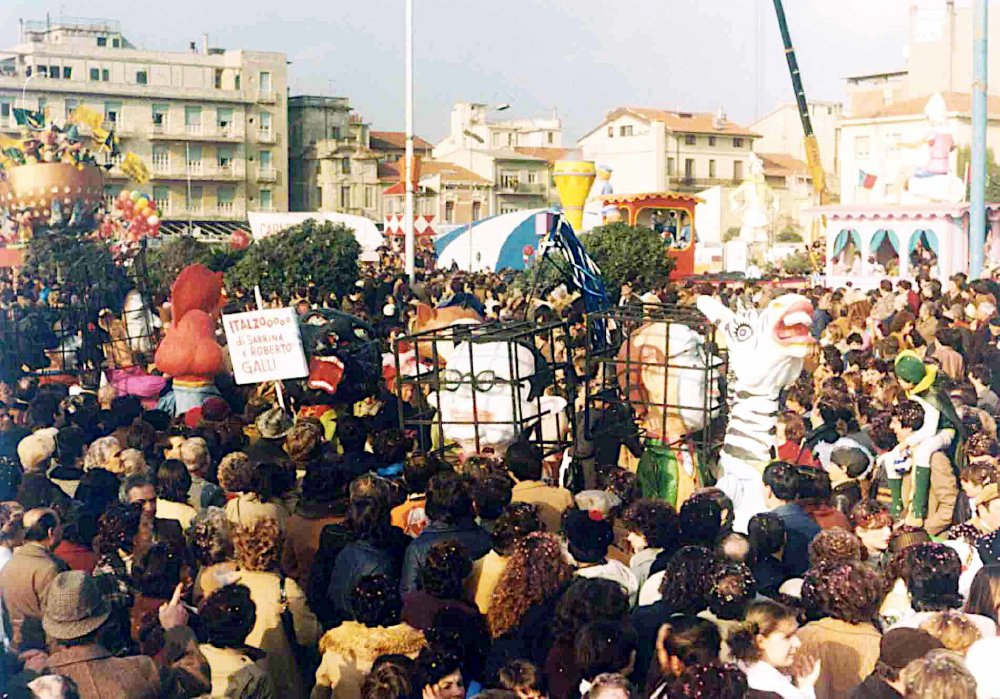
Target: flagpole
x,y
408,241
977,203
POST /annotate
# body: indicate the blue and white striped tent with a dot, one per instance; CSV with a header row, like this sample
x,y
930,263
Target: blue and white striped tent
x,y
494,243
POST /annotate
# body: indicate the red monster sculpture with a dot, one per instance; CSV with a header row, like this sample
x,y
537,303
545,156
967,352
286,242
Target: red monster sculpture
x,y
189,352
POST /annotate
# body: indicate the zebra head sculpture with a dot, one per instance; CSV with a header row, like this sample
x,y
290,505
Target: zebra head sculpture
x,y
766,347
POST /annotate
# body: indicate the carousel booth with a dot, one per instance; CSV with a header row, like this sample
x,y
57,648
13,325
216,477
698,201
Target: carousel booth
x,y
655,386
669,213
473,388
866,243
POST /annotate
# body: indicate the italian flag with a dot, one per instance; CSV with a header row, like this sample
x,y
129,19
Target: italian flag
x,y
866,179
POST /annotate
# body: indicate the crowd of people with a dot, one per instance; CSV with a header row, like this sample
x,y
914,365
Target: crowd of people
x,y
237,550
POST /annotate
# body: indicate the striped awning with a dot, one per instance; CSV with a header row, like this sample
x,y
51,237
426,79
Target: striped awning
x,y
207,229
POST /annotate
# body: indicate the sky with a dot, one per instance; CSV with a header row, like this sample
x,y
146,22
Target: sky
x,y
581,57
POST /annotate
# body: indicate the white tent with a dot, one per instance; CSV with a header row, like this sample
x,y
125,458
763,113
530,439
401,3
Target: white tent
x,y
494,243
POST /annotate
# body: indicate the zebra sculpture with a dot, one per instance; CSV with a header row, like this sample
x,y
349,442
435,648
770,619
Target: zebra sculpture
x,y
767,349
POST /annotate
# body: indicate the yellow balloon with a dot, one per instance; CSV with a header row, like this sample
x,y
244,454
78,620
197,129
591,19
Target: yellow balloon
x,y
142,203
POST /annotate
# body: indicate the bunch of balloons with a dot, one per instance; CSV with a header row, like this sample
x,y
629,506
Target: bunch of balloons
x,y
136,214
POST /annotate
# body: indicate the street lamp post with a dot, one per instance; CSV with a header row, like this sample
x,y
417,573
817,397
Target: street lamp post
x,y
478,139
408,241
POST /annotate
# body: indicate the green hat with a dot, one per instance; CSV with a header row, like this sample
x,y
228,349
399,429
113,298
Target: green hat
x,y
910,368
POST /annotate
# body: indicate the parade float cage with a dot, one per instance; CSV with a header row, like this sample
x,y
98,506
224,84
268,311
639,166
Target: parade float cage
x,y
26,336
612,367
638,210
425,421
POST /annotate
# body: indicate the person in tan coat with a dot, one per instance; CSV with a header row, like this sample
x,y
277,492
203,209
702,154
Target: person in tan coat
x,y
524,465
845,640
516,521
25,579
258,550
349,650
75,614
239,671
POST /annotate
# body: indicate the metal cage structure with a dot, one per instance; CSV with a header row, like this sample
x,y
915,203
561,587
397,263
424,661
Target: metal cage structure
x,y
479,387
99,327
660,372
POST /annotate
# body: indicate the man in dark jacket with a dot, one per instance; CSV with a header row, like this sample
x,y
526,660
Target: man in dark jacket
x,y
781,489
897,648
449,509
75,613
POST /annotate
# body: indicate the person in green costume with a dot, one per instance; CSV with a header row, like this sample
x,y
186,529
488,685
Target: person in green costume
x,y
942,429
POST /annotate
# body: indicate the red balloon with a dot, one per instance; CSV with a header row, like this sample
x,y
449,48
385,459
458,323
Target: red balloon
x,y
128,204
528,251
239,240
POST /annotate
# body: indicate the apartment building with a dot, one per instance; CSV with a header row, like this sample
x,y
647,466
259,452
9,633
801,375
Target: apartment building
x,y
654,150
781,133
336,162
210,123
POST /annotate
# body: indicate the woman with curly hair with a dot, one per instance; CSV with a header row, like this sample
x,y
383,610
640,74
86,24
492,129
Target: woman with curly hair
x,y
653,528
845,640
258,550
872,524
439,585
535,572
237,669
585,600
834,545
259,497
210,543
518,520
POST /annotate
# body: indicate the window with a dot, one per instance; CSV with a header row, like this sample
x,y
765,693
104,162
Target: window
x,y
345,166
737,143
265,200
194,195
194,158
671,167
551,137
264,82
95,73
711,140
218,78
160,112
690,139
43,71
345,197
862,147
369,197
5,110
532,177
70,106
264,161
711,169
611,132
449,212
237,81
265,123
116,43
224,118
192,119
67,72
738,170
105,75
161,157
225,196
43,103
54,72
496,139
113,111
319,197
625,130
102,41
161,195
689,168
141,77
477,210
224,156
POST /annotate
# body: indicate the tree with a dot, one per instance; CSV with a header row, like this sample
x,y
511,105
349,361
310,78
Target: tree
x,y
312,252
732,233
80,265
166,262
629,253
964,157
798,263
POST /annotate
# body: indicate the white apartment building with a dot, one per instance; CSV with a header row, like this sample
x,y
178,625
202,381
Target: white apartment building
x,y
470,126
781,132
210,123
874,143
655,150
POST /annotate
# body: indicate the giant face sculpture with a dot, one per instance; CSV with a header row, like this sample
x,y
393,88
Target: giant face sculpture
x,y
766,348
491,393
671,380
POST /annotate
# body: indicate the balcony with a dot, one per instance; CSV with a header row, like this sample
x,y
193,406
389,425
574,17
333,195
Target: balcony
x,y
517,187
699,183
266,96
225,208
266,135
267,174
198,170
196,132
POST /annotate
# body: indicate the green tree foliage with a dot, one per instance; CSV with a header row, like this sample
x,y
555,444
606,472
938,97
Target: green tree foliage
x,y
629,253
964,157
798,263
166,262
77,264
731,233
314,252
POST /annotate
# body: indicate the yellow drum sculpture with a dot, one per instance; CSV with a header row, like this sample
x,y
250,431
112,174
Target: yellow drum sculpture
x,y
574,179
